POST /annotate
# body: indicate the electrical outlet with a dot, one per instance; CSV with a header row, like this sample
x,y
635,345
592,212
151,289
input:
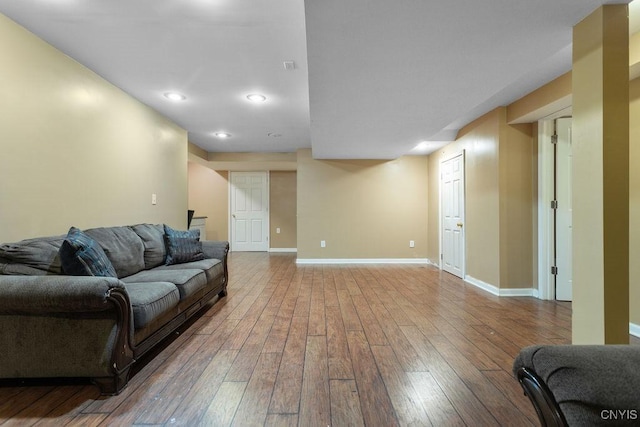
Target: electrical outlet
x,y
412,244
323,244
278,230
154,199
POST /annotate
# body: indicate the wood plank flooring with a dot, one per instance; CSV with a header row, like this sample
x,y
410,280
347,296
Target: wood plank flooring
x,y
374,345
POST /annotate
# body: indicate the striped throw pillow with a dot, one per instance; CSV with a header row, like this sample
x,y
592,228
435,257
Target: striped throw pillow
x,y
80,255
182,246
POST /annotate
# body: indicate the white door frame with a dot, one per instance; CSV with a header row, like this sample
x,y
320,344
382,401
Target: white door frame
x,y
450,156
546,281
229,213
564,212
546,285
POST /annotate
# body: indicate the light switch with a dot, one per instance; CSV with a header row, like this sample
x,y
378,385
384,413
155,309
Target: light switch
x,y
154,199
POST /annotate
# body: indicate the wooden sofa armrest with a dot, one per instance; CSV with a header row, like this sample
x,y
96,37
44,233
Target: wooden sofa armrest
x,y
541,398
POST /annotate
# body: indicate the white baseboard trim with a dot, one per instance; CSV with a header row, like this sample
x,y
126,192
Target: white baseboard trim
x,y
431,262
482,285
286,250
521,292
362,261
634,329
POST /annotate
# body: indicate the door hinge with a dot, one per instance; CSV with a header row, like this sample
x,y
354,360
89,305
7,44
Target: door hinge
x,y
554,270
441,256
554,204
554,139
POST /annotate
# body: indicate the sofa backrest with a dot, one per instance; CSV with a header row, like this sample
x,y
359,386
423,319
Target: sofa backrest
x,y
123,247
32,256
152,236
129,248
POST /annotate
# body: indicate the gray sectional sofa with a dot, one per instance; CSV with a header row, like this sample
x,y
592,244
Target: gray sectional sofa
x,y
53,324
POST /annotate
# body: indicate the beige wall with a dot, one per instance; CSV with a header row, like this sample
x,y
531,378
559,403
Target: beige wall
x,y
283,209
76,150
634,55
534,203
600,171
356,196
499,200
433,197
516,205
479,140
209,196
634,201
362,208
249,162
542,102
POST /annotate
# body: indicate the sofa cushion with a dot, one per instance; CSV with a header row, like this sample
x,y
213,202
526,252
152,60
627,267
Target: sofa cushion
x,y
151,300
41,254
153,240
188,281
182,246
83,256
212,267
123,247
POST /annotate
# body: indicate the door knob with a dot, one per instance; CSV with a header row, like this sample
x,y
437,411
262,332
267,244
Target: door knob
x,y
233,215
459,224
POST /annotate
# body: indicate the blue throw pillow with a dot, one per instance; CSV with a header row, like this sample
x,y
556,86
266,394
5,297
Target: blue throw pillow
x,y
182,246
80,255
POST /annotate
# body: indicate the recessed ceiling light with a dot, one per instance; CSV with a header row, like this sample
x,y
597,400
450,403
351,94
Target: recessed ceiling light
x,y
223,135
256,97
175,96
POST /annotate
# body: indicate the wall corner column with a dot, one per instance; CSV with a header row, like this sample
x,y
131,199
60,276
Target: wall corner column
x,y
601,177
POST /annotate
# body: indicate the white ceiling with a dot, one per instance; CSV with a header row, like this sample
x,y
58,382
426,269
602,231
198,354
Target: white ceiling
x,y
382,75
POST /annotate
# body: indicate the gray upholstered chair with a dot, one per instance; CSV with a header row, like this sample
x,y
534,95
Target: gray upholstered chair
x,y
582,385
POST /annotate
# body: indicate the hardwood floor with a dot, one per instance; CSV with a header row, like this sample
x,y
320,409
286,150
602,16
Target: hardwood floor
x,y
375,345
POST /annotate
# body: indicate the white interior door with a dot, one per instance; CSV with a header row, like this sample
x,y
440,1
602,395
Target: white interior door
x,y
564,211
249,202
452,214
